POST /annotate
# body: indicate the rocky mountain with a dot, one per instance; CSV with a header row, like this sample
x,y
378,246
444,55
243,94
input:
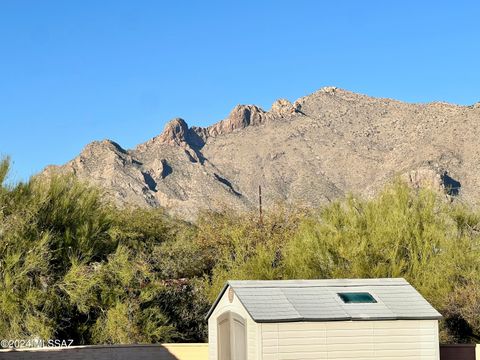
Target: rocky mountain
x,y
310,152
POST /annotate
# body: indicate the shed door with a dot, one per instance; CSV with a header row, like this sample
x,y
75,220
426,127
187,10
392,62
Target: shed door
x,y
231,337
223,335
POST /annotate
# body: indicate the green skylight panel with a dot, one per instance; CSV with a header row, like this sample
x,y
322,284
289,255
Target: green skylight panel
x,y
357,298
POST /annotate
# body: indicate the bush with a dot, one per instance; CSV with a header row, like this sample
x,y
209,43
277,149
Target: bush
x,y
74,267
402,232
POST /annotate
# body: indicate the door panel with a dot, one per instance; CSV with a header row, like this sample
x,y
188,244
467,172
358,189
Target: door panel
x,y
240,341
223,334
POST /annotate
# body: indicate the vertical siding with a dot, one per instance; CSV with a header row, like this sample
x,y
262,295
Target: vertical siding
x,y
252,327
358,340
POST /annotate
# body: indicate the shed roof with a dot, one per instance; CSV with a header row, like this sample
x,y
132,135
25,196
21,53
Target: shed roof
x,y
318,300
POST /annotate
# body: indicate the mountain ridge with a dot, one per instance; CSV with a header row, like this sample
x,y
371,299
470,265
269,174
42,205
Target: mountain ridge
x,y
311,151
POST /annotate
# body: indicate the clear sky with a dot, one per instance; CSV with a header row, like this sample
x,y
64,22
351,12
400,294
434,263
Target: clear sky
x,y
76,71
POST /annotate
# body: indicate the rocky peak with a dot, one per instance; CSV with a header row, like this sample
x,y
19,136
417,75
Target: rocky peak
x,y
175,132
281,107
240,117
244,115
97,148
329,89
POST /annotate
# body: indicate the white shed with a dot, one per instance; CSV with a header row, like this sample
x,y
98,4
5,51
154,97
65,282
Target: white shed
x,y
360,319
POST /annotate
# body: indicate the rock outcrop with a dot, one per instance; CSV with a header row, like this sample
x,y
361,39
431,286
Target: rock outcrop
x,y
240,117
175,133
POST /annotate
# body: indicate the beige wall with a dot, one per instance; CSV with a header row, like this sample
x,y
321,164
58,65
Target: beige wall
x,y
117,352
360,340
188,351
253,335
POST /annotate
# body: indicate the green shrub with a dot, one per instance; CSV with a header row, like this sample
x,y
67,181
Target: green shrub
x,y
74,267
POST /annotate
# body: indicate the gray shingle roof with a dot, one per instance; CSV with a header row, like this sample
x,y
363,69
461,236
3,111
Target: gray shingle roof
x,y
318,300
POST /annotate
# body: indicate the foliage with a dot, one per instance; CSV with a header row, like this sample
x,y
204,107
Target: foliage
x,y
402,232
74,267
239,246
462,314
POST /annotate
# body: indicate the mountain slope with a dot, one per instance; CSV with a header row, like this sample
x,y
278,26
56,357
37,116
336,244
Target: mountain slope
x,y
315,150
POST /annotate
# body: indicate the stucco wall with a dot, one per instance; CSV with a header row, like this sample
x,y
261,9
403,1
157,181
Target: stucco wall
x,y
117,352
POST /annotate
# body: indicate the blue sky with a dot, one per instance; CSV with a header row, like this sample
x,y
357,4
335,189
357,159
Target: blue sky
x,y
76,71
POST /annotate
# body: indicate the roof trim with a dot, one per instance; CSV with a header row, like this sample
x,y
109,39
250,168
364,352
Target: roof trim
x,y
217,300
268,321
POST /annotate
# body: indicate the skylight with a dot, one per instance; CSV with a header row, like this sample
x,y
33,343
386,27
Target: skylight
x,y
357,298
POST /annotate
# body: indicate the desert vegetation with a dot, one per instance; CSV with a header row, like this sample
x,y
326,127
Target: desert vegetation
x,y
72,266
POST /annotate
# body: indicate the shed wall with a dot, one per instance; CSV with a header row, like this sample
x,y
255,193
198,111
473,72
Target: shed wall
x,y
253,334
359,340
